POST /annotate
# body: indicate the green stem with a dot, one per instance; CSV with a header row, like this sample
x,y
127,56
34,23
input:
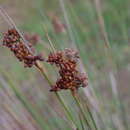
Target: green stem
x,y
91,116
81,122
79,106
69,116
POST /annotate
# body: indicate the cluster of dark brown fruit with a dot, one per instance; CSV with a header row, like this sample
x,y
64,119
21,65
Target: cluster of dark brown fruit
x,y
66,61
70,77
13,41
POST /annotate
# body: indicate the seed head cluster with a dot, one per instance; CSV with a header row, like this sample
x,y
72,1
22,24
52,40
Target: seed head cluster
x,y
58,26
70,77
65,61
14,42
32,38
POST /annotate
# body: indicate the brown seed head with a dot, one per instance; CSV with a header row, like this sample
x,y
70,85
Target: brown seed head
x,y
14,42
70,77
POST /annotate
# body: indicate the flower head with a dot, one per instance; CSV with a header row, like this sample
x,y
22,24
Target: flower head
x,y
70,77
14,42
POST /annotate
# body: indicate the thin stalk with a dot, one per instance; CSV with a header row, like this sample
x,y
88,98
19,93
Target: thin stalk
x,y
101,23
81,122
48,37
90,114
63,9
69,116
43,17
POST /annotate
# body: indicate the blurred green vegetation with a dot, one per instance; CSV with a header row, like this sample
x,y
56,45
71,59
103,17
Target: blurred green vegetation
x,y
84,32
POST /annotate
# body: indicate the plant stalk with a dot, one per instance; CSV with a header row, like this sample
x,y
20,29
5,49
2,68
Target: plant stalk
x,y
69,116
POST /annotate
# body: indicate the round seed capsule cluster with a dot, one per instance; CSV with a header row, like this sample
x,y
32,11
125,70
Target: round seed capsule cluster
x,y
70,77
13,41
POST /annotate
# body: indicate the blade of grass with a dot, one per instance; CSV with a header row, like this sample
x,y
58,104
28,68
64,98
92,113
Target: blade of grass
x,y
38,118
7,108
13,115
81,122
83,114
